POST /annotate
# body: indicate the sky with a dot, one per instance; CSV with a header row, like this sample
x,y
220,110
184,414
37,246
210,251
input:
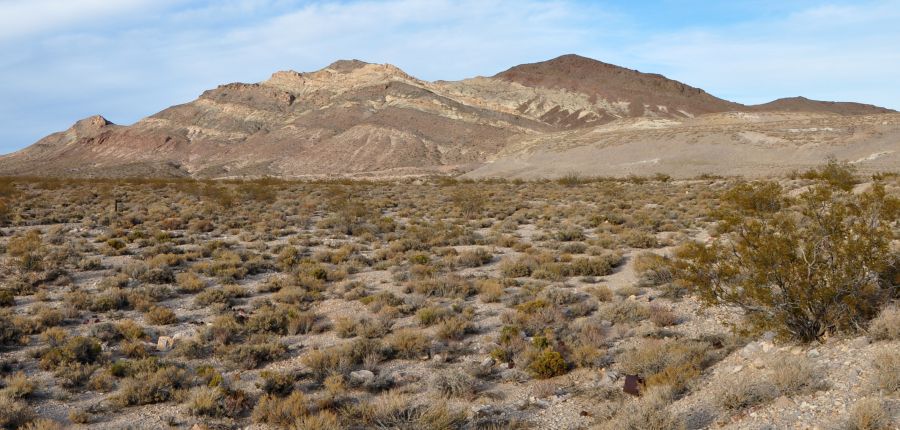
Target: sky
x,y
63,60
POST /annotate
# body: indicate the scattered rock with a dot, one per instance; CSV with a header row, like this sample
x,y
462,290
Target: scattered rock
x,y
859,342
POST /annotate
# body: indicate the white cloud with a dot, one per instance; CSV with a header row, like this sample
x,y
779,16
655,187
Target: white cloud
x,y
23,18
827,52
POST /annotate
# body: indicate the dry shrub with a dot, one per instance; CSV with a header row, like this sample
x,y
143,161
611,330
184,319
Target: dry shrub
x,y
887,366
432,315
323,420
454,383
276,383
887,325
254,352
152,386
601,292
515,268
189,282
395,410
281,319
408,343
489,290
796,375
42,424
454,328
667,362
18,386
158,315
625,311
663,316
645,413
206,401
869,414
280,412
14,413
745,390
653,269
474,258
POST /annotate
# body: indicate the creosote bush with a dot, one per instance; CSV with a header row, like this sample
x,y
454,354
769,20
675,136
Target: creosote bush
x,y
805,267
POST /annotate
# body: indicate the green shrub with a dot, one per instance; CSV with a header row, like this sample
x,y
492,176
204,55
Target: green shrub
x,y
548,364
78,349
841,175
804,272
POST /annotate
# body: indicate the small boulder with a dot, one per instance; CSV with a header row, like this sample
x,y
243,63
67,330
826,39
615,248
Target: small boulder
x,y
361,377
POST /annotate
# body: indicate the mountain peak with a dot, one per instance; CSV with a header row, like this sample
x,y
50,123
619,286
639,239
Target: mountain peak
x,y
91,124
345,66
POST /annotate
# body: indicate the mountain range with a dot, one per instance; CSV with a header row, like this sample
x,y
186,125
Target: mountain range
x,y
568,114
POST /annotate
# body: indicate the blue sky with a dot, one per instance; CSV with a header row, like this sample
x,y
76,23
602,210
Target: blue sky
x,y
63,60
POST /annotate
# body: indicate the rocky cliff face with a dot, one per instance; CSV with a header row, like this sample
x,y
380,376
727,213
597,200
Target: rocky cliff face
x,y
356,118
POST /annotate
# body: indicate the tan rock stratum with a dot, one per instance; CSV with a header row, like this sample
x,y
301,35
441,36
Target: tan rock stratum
x,y
567,115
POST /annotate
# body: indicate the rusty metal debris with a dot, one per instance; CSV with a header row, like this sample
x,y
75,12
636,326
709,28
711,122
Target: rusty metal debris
x,y
634,384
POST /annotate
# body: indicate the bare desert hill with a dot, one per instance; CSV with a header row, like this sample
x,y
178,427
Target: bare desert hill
x,y
567,114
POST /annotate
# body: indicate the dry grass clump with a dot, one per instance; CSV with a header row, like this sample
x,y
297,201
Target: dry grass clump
x,y
672,363
18,386
886,326
276,383
747,389
887,366
396,410
474,258
152,386
789,376
796,375
158,315
869,414
280,411
189,282
14,413
646,413
408,343
454,383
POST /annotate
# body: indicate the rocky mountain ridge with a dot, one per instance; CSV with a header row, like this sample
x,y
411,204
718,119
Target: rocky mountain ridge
x,y
360,119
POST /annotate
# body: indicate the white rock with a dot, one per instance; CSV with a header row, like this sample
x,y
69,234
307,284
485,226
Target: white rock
x,y
165,343
362,377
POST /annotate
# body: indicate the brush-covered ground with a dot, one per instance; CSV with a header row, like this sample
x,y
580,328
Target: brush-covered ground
x,y
414,304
